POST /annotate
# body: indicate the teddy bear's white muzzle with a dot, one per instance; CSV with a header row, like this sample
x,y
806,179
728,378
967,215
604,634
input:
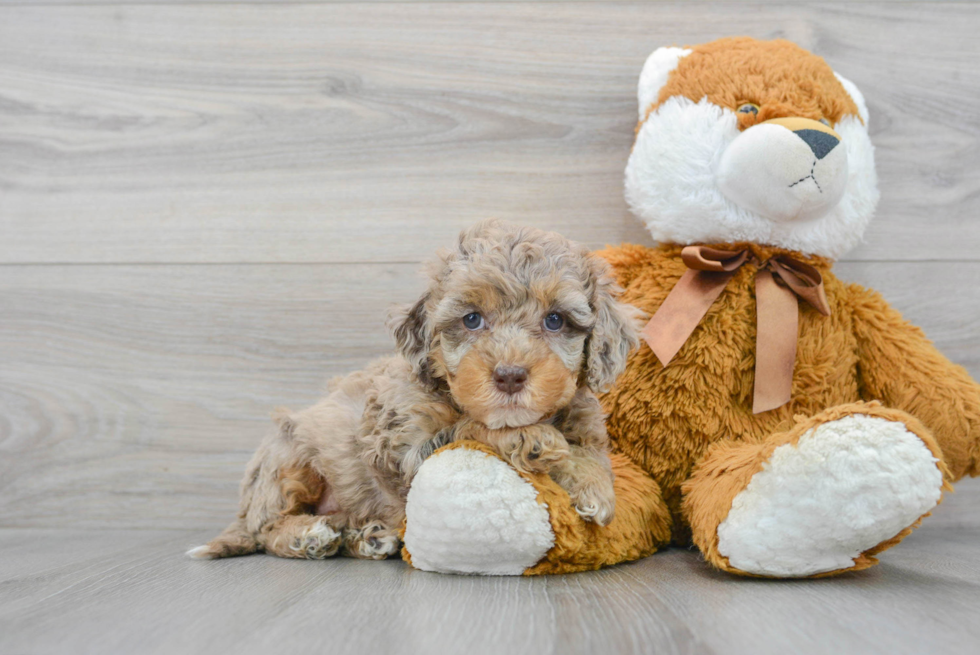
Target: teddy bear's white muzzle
x,y
785,170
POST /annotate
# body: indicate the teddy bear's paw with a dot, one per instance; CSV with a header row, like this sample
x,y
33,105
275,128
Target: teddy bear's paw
x,y
845,487
534,448
470,512
372,541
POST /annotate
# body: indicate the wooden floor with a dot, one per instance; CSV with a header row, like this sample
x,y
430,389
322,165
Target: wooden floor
x,y
206,207
131,591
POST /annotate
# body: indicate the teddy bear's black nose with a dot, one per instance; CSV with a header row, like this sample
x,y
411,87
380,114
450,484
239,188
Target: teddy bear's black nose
x,y
820,143
510,379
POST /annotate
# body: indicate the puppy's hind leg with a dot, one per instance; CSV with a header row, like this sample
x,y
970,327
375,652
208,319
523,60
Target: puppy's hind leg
x,y
374,540
303,536
279,484
235,540
302,530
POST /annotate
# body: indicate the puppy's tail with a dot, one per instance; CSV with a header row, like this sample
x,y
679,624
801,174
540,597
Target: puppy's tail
x,y
234,541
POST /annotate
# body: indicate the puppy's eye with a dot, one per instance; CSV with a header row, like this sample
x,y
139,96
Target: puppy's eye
x,y
553,322
473,321
825,122
748,108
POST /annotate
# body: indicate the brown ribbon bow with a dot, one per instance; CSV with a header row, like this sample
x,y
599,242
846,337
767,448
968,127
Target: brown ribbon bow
x,y
777,284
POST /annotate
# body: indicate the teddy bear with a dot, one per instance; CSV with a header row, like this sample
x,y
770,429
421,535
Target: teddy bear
x,y
785,422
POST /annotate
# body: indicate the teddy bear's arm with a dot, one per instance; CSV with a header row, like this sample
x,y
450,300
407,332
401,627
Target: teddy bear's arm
x,y
900,367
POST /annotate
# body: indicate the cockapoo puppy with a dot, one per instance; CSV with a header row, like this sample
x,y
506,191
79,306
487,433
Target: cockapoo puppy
x,y
516,332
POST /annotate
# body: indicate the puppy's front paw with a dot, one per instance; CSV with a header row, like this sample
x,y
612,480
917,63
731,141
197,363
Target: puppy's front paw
x,y
534,448
595,502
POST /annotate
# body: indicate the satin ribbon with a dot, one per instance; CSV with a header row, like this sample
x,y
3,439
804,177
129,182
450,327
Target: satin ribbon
x,y
778,283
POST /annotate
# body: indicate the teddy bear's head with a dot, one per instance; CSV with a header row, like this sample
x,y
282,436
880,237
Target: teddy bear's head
x,y
743,140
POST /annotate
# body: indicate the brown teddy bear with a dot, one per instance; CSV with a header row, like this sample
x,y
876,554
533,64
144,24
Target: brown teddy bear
x,y
788,423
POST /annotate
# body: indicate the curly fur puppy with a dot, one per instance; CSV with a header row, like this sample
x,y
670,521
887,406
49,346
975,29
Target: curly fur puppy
x,y
515,333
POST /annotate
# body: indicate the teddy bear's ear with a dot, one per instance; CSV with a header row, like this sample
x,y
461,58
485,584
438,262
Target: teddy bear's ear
x,y
409,324
856,96
615,333
656,70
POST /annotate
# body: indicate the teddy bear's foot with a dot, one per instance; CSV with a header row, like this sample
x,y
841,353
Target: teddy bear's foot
x,y
831,493
845,487
470,512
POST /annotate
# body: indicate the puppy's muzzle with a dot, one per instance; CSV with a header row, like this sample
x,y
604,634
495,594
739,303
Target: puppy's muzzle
x,y
510,379
785,169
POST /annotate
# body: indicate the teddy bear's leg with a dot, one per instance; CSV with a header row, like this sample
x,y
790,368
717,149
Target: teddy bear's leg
x,y
468,511
822,498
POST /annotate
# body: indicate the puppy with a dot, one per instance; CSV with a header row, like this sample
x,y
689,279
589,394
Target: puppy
x,y
516,332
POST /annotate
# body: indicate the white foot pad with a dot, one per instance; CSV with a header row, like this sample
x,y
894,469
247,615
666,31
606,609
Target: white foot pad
x,y
845,487
468,512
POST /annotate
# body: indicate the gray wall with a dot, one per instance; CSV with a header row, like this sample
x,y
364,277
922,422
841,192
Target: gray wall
x,y
205,208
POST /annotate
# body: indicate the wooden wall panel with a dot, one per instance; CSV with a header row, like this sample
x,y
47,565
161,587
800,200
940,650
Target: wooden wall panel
x,y
134,395
206,208
373,132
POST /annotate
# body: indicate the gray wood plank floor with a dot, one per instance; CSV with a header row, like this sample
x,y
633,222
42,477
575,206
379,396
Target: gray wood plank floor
x,y
206,207
117,591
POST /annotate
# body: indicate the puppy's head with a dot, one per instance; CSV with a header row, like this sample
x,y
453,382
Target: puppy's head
x,y
514,321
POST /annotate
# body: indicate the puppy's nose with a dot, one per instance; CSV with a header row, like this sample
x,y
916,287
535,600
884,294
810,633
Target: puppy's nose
x,y
820,143
510,379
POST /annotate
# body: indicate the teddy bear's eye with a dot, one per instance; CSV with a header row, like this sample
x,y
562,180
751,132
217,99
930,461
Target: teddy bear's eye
x,y
825,122
748,108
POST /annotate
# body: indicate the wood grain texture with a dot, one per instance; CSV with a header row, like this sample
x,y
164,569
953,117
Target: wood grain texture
x,y
134,395
350,132
133,591
206,207
89,3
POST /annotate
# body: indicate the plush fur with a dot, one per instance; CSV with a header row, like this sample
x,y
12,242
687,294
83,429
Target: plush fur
x,y
334,477
667,419
797,516
518,535
878,423
803,502
468,512
672,177
722,469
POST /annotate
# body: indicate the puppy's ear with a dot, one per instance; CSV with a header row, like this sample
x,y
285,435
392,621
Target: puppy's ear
x,y
616,330
409,325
